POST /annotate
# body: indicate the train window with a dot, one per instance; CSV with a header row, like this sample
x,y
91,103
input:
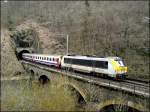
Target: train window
x,y
90,63
83,62
120,62
101,64
78,61
67,60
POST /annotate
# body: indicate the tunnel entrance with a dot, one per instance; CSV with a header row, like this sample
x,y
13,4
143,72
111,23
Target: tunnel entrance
x,y
118,108
19,55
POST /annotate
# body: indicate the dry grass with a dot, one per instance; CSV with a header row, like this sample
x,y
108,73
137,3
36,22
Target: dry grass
x,y
20,97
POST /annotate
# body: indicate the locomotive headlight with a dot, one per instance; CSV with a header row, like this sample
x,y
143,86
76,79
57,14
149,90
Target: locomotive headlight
x,y
126,68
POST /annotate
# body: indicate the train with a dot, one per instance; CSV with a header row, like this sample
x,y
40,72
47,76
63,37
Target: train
x,y
112,67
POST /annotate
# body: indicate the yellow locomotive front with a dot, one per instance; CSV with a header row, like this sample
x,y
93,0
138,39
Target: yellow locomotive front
x,y
119,67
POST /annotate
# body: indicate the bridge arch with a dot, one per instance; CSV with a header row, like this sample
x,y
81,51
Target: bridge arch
x,y
81,94
43,79
120,105
20,54
32,72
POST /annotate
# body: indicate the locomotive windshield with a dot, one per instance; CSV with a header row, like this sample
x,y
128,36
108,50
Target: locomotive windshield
x,y
120,62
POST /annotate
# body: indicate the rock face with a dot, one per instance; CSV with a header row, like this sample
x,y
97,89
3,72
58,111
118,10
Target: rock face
x,y
9,63
48,42
26,38
23,38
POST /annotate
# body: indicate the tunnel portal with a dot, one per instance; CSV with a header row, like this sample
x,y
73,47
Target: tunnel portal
x,y
19,55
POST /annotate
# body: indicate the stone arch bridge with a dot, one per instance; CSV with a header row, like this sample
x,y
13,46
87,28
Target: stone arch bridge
x,y
101,96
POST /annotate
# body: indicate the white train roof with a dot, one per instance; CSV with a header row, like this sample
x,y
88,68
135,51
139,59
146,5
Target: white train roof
x,y
91,58
47,55
75,56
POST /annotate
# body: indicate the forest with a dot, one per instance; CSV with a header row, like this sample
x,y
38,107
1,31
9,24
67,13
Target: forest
x,y
101,28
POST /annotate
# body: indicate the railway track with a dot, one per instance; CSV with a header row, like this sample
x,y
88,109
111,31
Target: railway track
x,y
137,80
137,83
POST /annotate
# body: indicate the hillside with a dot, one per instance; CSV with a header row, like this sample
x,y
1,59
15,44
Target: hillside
x,y
102,28
9,63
